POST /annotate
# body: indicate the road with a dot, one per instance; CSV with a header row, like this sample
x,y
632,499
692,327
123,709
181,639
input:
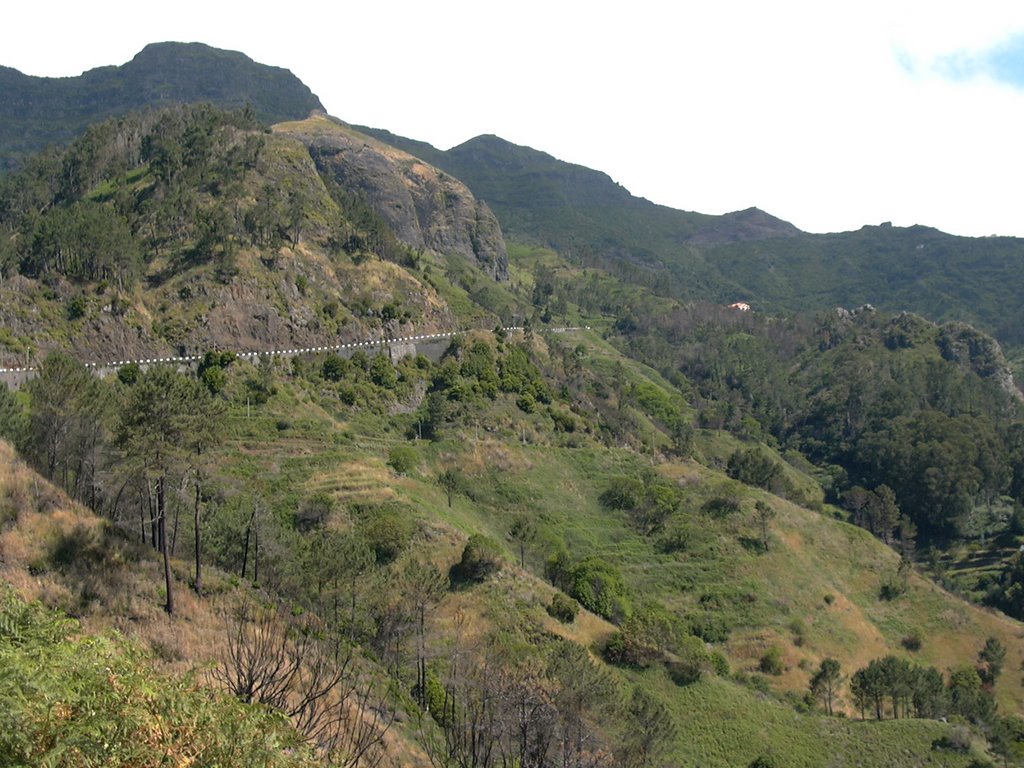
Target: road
x,y
15,377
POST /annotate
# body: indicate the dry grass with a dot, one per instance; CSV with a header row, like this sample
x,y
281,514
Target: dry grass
x,y
356,481
812,558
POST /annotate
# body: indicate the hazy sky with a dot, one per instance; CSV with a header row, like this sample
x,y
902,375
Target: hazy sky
x,y
827,115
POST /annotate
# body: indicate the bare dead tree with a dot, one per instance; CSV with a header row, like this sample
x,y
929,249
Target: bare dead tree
x,y
287,664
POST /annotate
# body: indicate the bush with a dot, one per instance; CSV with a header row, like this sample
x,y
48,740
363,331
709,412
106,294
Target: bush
x,y
599,588
719,663
685,672
76,308
709,627
96,701
403,458
129,374
753,467
388,532
481,557
771,662
334,367
912,642
721,506
622,493
623,650
678,538
563,608
526,402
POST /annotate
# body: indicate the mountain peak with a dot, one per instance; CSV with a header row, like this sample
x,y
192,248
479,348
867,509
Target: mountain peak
x,y
39,111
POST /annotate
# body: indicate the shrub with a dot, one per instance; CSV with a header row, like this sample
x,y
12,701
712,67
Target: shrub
x,y
719,663
753,467
599,588
129,374
563,608
403,458
771,662
623,650
690,662
622,493
709,626
334,367
96,701
76,308
679,537
684,672
480,558
388,532
912,642
526,402
558,569
721,506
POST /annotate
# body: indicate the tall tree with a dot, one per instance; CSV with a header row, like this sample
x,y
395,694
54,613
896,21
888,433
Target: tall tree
x,y
206,432
452,481
423,585
523,531
155,431
66,422
764,514
990,660
651,730
826,681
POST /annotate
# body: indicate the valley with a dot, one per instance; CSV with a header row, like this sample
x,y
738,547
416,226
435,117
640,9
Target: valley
x,y
402,457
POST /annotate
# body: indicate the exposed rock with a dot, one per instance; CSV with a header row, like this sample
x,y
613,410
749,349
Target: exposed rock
x,y
965,344
425,207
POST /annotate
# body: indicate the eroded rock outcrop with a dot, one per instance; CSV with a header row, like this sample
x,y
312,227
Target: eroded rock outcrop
x,y
425,207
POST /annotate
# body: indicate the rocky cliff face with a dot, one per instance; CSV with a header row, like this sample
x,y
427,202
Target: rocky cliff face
x,y
425,207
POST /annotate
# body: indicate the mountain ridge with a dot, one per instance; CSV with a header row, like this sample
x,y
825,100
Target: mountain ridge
x,y
749,255
39,111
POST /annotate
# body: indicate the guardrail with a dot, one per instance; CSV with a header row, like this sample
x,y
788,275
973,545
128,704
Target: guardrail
x,y
296,350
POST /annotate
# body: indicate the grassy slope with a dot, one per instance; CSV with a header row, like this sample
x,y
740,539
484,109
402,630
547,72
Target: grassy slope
x,y
304,441
328,447
811,556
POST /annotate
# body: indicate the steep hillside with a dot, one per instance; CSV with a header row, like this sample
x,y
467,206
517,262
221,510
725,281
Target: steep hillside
x,y
746,255
586,215
600,527
36,111
325,464
189,228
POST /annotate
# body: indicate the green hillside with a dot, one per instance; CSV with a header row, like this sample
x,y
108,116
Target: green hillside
x,y
36,112
632,531
744,256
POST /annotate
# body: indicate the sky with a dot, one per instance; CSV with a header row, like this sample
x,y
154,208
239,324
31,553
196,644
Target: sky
x,y
828,115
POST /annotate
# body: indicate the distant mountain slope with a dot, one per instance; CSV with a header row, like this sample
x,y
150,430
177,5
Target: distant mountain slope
x,y
918,269
587,215
746,255
39,111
